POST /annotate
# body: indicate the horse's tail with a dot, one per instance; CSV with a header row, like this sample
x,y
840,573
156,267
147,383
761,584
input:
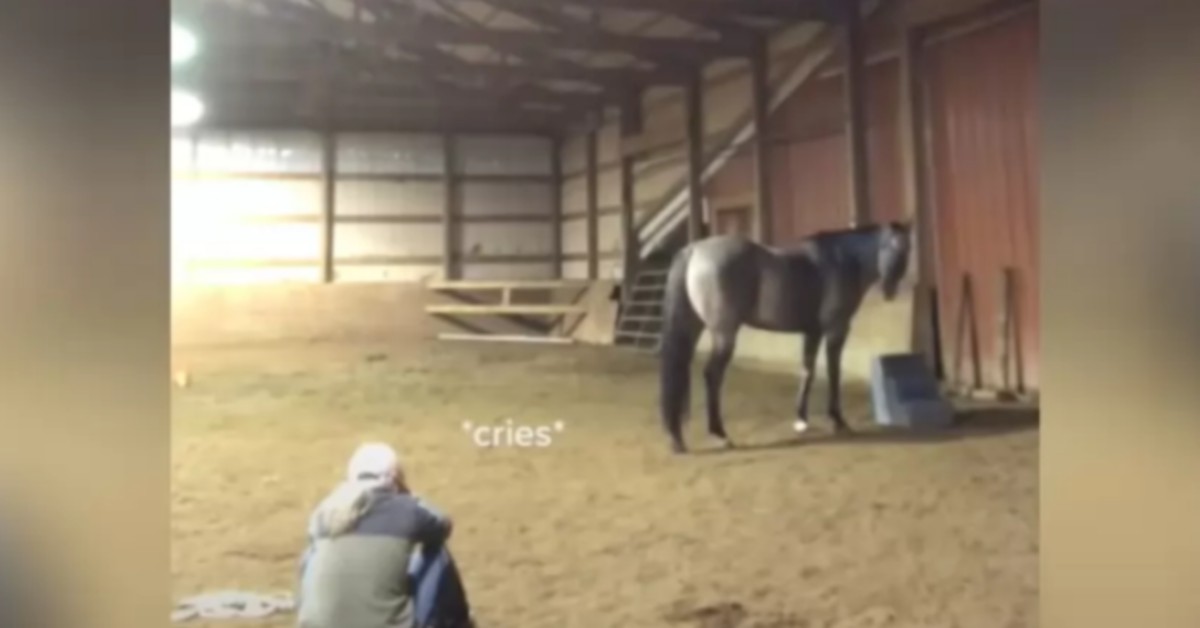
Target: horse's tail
x,y
681,330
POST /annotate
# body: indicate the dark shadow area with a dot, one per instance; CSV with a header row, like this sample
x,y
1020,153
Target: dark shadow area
x,y
969,423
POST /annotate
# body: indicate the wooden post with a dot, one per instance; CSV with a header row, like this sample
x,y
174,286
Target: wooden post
x,y
450,224
761,94
631,123
328,204
917,204
593,209
556,209
856,127
694,97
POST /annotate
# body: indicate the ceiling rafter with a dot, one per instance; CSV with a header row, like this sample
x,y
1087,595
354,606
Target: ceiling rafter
x,y
417,60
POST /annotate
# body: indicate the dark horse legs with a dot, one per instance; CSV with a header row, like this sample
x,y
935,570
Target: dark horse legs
x,y
833,359
714,376
812,345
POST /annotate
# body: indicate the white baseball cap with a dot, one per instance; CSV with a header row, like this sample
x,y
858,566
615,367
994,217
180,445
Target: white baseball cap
x,y
373,461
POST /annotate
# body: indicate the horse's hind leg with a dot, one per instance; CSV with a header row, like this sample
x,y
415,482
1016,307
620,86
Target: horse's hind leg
x,y
833,358
812,346
723,346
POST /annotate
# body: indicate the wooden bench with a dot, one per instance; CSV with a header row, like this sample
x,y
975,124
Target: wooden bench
x,y
548,319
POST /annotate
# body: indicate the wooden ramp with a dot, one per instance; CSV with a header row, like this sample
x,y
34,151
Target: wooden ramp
x,y
545,311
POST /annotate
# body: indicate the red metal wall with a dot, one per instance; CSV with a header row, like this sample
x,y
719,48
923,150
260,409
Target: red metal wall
x,y
983,130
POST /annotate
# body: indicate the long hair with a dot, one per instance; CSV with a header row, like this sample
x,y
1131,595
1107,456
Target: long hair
x,y
342,509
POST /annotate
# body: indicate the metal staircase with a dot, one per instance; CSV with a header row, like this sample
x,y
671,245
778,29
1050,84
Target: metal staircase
x,y
640,323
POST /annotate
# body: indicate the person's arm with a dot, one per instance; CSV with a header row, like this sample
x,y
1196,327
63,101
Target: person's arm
x,y
433,527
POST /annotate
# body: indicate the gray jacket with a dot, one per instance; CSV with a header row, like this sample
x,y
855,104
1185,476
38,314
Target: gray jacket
x,y
360,579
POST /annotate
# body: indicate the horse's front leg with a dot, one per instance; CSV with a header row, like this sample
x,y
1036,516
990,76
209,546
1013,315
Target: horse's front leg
x,y
723,346
808,368
833,359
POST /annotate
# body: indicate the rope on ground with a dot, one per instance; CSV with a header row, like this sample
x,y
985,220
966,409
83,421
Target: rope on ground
x,y
232,605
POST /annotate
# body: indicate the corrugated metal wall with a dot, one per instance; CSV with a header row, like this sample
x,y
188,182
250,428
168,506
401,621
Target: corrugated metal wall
x,y
389,205
262,224
507,207
983,115
247,207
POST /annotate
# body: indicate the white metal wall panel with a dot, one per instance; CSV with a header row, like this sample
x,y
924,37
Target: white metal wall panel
x,y
503,155
507,199
389,273
383,198
252,242
485,272
277,152
574,270
182,152
505,239
222,199
390,153
388,240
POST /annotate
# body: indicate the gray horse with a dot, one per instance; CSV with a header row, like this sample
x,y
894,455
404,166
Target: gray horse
x,y
813,288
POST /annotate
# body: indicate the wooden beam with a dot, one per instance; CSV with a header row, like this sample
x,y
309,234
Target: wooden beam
x,y
289,86
376,122
450,239
694,105
790,10
484,309
236,50
915,152
856,103
328,204
501,284
631,123
761,96
593,203
429,28
550,340
556,209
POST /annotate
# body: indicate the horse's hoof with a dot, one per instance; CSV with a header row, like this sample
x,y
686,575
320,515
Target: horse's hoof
x,y
678,448
800,426
725,443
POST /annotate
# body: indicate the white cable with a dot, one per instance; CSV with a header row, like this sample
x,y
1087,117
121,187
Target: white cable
x,y
232,605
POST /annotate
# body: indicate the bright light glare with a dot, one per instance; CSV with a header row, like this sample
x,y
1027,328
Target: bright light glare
x,y
183,45
186,109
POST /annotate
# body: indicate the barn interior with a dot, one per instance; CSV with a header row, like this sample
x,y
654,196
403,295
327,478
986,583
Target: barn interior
x,y
391,218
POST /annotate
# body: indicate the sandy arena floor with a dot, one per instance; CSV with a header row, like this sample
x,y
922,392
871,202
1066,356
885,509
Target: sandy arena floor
x,y
603,527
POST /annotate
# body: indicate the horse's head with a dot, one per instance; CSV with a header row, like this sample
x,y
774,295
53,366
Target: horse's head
x,y
895,241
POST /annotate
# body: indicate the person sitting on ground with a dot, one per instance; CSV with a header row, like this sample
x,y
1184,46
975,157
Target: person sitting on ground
x,y
377,555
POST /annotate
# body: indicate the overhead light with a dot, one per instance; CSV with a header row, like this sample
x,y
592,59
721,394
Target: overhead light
x,y
186,109
183,45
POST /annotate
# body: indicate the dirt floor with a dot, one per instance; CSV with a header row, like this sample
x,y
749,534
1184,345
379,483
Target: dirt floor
x,y
603,527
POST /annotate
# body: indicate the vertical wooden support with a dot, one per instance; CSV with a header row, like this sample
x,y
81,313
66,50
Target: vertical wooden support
x,y
328,203
450,224
917,203
694,99
856,103
631,123
915,153
593,207
556,209
761,93
966,336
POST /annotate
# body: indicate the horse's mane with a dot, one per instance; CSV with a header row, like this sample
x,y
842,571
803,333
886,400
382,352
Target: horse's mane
x,y
827,234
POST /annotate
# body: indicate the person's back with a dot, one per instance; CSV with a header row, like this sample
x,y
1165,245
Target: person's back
x,y
359,579
357,571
